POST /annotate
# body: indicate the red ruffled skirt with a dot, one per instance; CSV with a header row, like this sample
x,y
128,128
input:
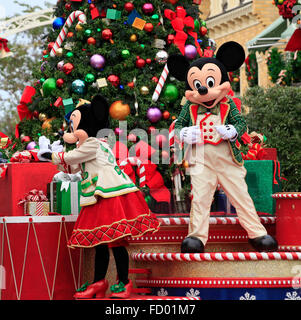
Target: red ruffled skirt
x,y
110,220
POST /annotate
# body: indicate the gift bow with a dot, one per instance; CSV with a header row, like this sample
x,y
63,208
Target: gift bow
x,y
25,156
34,196
3,44
179,20
256,152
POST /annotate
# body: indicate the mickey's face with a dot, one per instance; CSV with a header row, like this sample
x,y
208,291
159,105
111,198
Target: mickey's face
x,y
206,86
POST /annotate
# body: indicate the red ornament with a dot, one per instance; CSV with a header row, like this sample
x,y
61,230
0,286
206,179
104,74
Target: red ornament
x,y
25,139
166,115
68,67
91,41
50,46
148,61
92,6
203,31
68,6
155,79
140,63
45,52
170,39
59,82
131,84
70,34
35,114
129,7
149,27
114,80
107,34
151,130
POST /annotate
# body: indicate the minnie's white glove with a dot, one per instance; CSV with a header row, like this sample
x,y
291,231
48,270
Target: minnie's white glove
x,y
46,148
190,135
227,132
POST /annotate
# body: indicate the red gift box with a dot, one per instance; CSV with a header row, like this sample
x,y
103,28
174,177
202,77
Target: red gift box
x,y
269,154
19,179
36,263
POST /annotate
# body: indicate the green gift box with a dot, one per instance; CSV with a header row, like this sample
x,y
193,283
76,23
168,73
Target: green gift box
x,y
113,14
68,105
263,179
65,197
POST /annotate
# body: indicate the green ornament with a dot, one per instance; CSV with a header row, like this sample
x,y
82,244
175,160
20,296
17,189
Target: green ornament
x,y
155,17
42,80
142,46
98,29
171,93
264,139
89,77
204,23
88,32
196,25
48,86
46,56
125,53
69,54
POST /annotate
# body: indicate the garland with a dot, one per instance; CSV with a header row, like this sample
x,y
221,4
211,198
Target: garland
x,y
252,70
285,8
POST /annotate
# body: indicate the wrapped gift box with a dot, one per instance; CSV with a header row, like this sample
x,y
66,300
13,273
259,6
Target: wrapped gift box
x,y
64,197
36,208
18,180
37,262
263,180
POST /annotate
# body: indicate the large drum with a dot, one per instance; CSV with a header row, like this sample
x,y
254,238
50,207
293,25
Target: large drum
x,y
35,261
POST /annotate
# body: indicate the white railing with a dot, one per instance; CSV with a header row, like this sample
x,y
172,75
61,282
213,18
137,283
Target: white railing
x,y
25,22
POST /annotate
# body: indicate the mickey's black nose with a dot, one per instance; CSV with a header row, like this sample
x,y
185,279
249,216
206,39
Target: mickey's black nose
x,y
202,90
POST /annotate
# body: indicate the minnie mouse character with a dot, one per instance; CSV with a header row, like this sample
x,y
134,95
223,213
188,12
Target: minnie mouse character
x,y
112,206
211,123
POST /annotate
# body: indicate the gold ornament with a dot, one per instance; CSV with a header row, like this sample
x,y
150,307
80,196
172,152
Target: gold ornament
x,y
119,111
144,90
47,123
185,164
59,52
78,27
133,38
42,117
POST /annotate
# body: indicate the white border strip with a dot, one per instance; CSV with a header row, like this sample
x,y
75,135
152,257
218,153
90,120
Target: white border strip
x,y
38,219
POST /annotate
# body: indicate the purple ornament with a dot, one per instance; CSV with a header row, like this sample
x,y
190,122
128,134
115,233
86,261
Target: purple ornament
x,y
97,61
60,65
43,66
190,51
154,114
31,145
148,8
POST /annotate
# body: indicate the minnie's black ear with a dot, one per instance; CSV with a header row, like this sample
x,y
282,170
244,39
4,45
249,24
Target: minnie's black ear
x,y
232,55
178,66
100,107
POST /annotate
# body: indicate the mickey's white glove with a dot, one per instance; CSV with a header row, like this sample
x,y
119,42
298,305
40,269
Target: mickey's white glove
x,y
227,132
190,135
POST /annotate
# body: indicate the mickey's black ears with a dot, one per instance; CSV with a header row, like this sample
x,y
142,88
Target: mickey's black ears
x,y
232,55
100,107
178,66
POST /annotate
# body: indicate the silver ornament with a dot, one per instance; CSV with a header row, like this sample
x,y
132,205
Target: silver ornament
x,y
161,56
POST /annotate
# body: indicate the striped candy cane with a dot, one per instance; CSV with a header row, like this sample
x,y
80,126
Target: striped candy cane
x,y
75,14
160,84
141,169
172,133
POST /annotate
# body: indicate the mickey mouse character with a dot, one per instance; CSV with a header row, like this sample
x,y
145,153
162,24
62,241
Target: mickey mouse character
x,y
211,114
112,206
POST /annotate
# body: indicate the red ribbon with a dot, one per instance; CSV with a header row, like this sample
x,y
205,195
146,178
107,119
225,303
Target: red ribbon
x,y
3,44
33,196
26,98
179,20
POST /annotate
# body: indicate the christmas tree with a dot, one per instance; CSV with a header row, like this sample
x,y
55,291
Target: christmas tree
x,y
117,49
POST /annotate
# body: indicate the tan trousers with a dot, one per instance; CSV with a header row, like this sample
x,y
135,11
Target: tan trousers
x,y
219,167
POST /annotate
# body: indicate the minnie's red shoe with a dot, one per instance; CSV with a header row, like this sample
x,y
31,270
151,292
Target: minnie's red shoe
x,y
121,291
97,289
